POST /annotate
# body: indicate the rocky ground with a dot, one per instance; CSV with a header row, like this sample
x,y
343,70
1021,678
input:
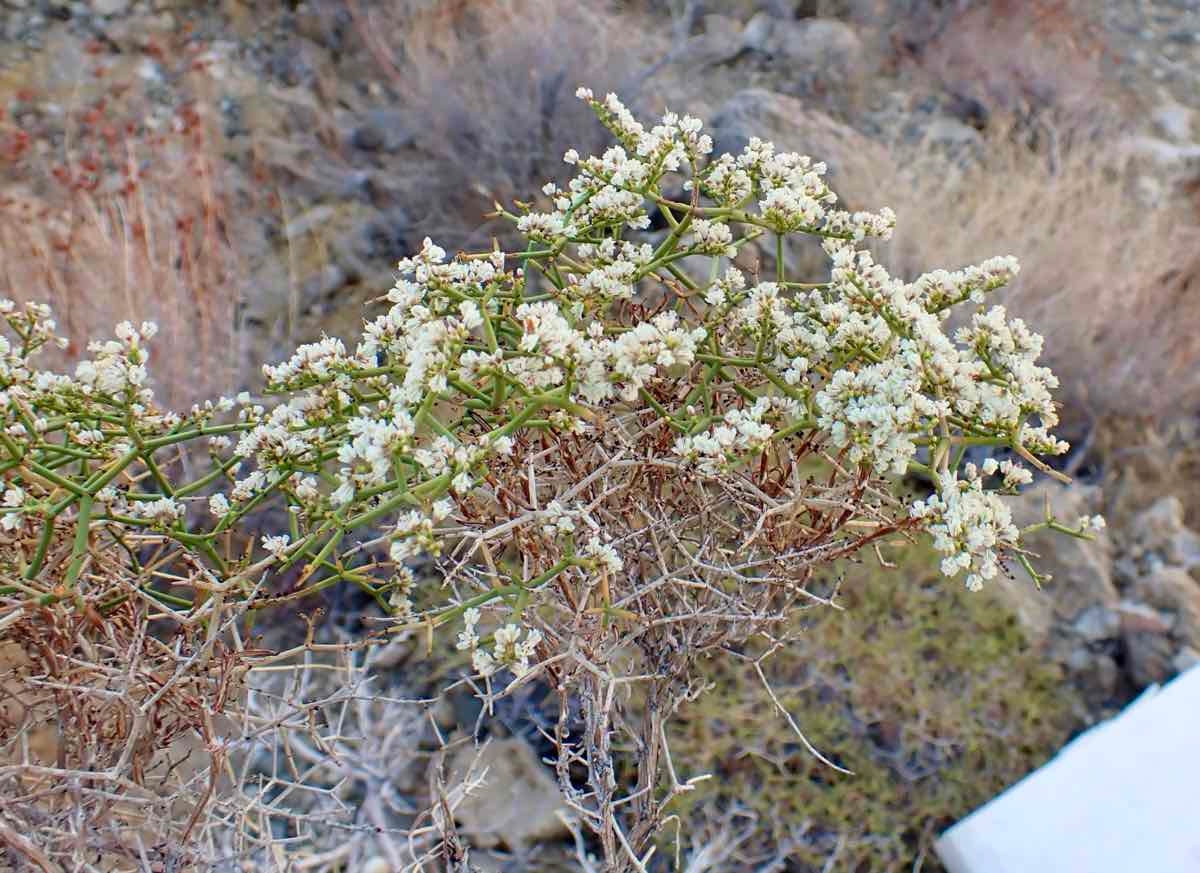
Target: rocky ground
x,y
331,140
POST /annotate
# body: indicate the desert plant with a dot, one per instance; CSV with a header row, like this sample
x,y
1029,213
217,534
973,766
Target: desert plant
x,y
626,454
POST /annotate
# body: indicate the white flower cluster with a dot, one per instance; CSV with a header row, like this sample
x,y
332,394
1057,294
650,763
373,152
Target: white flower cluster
x,y
602,556
662,342
873,412
415,533
743,432
120,364
712,238
10,507
617,267
969,527
508,649
164,511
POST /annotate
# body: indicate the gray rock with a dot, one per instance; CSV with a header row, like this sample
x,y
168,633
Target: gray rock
x,y
109,7
1166,155
720,41
1185,659
1149,658
953,134
321,284
1173,589
757,32
723,26
793,126
824,45
1097,623
1160,530
1139,618
1094,673
519,802
382,130
1174,122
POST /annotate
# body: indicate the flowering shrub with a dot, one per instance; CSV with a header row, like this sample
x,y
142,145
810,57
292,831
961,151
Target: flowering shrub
x,y
625,451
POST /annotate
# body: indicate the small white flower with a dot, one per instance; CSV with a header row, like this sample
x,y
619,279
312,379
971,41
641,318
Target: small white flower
x,y
218,505
10,519
276,545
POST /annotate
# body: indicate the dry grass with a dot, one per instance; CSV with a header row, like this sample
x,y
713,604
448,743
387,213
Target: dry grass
x,y
121,211
488,91
1110,283
930,696
1003,56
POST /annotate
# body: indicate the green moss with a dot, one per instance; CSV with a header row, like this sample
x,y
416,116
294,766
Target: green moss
x,y
927,692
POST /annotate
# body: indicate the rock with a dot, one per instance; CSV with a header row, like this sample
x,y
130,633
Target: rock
x,y
825,46
1081,570
519,802
1173,589
1139,618
1097,623
321,284
1184,157
706,50
724,27
382,130
1185,659
757,31
1160,530
109,7
1174,122
1148,657
376,864
1095,674
952,134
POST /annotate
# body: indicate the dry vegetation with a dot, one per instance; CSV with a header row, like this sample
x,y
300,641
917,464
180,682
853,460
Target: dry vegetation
x,y
934,701
488,96
129,740
123,214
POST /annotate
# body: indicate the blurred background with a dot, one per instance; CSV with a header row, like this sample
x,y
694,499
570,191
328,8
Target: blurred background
x,y
247,174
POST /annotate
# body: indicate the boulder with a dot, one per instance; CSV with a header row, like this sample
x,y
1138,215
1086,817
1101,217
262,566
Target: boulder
x,y
952,134
382,130
825,46
1140,618
757,32
1174,590
1148,658
1159,532
721,40
1095,674
110,7
1097,623
1185,659
1173,121
519,802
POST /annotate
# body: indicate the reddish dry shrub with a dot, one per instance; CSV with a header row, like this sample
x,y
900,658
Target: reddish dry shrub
x,y
111,709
